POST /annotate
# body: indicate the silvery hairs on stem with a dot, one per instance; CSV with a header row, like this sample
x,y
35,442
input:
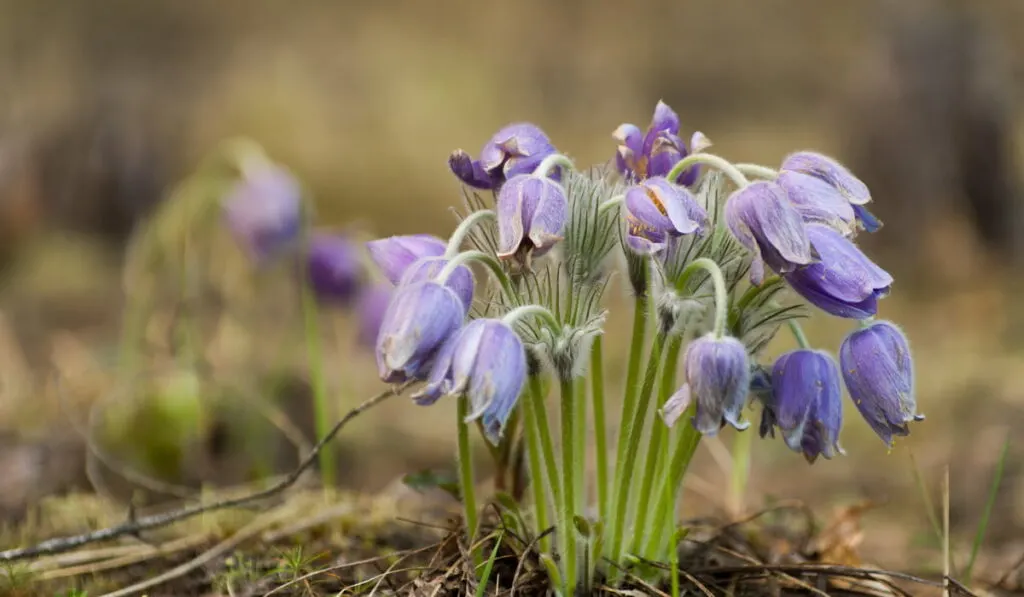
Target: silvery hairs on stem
x,y
569,281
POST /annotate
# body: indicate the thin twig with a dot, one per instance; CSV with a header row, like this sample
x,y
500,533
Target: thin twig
x,y
145,523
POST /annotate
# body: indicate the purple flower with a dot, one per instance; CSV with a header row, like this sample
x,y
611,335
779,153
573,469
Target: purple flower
x,y
818,202
515,149
655,153
838,177
763,219
460,281
657,210
879,374
394,254
806,403
717,374
486,362
531,216
419,319
263,211
334,269
844,282
370,308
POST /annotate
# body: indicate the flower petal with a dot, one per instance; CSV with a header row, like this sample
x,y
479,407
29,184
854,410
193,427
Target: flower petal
x,y
830,171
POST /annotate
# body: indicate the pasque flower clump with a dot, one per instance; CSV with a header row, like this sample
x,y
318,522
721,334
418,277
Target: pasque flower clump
x,y
719,257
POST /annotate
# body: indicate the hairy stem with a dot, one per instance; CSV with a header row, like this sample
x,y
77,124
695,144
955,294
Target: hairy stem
x,y
600,424
468,491
570,561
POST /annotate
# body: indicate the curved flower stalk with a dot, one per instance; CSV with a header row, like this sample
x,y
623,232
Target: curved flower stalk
x,y
709,251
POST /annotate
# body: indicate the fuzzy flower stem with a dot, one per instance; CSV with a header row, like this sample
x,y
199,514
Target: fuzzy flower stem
x,y
657,446
466,482
740,474
712,160
600,424
757,171
491,263
552,161
544,313
567,529
636,353
464,228
798,333
632,439
682,454
536,457
721,291
611,204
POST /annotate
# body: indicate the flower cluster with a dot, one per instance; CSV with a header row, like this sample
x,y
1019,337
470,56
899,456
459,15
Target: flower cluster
x,y
712,246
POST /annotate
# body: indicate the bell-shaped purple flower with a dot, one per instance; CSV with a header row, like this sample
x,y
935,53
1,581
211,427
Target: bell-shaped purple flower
x,y
370,308
879,375
805,403
717,372
763,219
531,217
394,254
334,268
460,281
838,177
654,153
515,149
657,210
263,211
486,362
844,282
818,202
419,319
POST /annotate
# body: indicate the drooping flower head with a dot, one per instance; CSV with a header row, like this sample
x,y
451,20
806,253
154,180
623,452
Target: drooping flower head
x,y
763,219
805,403
717,372
643,155
394,254
334,268
460,281
879,374
515,149
843,282
838,177
486,362
419,319
818,202
263,211
657,210
531,217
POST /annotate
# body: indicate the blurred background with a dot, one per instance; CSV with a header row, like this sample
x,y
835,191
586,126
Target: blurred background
x,y
106,105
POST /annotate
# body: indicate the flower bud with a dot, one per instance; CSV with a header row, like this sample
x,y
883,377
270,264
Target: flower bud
x,y
761,217
531,217
805,403
263,211
418,320
717,374
334,269
515,149
879,375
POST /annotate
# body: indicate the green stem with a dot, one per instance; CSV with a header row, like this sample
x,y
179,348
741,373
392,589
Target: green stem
x,y
798,333
721,292
568,530
538,480
552,161
600,425
579,439
757,171
740,470
464,228
468,490
636,354
491,263
318,381
717,162
632,445
540,414
544,313
611,204
682,455
657,447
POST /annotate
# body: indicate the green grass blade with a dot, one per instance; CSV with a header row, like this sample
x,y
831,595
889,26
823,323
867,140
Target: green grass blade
x,y
481,588
979,535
